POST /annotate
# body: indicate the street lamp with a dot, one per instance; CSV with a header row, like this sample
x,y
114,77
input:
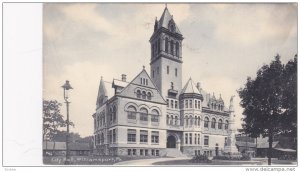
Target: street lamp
x,y
66,88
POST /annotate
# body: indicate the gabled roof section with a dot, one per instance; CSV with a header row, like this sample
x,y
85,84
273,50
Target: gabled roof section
x,y
190,88
165,19
143,82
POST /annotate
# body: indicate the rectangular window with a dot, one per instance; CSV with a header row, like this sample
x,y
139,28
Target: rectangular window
x,y
131,135
143,117
196,104
225,143
134,152
152,152
186,138
146,152
191,104
191,138
195,152
198,139
167,69
195,139
176,72
172,104
128,151
141,152
154,137
141,81
176,104
199,105
146,81
167,102
157,152
144,136
206,140
186,103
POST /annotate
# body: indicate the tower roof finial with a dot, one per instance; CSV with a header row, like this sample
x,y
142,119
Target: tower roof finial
x,y
143,67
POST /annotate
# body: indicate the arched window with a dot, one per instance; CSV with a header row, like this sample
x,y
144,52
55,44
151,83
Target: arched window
x,y
226,125
143,114
131,112
138,94
172,120
154,116
143,94
168,119
213,123
191,120
102,138
220,124
199,121
172,47
167,45
186,121
177,49
206,120
114,112
149,96
196,120
176,120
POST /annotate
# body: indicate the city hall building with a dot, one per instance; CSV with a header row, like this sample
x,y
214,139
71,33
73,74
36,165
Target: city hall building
x,y
155,114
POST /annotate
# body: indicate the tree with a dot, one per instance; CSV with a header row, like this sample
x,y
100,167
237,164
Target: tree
x,y
52,119
264,99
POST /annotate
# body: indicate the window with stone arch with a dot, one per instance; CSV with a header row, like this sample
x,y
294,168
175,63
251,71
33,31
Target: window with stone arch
x,y
213,123
172,120
143,114
220,123
144,95
186,121
168,119
131,112
176,120
191,120
114,112
167,45
206,121
138,94
149,96
154,115
226,125
177,49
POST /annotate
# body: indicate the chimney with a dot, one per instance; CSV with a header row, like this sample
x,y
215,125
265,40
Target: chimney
x,y
198,86
123,77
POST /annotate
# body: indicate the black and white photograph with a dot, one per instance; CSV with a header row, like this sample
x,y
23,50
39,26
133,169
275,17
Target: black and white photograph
x,y
169,84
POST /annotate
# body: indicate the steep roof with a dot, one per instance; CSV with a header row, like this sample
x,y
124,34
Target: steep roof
x,y
190,88
165,19
102,93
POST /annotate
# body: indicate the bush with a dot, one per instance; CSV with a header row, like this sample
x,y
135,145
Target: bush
x,y
200,159
234,157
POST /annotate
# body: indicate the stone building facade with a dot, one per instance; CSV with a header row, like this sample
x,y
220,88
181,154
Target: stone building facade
x,y
155,115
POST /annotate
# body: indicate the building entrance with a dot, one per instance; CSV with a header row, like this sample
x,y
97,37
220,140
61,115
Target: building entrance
x,y
171,142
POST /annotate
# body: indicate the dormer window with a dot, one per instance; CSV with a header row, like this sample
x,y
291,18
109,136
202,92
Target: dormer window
x,y
172,28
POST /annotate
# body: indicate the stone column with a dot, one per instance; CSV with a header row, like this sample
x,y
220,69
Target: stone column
x,y
231,147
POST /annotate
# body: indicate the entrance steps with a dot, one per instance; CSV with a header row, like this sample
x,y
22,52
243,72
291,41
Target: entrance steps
x,y
174,152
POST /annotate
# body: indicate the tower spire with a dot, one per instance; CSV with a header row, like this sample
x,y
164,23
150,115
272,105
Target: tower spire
x,y
102,93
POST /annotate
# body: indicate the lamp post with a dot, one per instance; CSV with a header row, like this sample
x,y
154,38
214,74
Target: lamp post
x,y
66,88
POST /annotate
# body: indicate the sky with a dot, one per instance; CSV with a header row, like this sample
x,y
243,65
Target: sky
x,y
223,45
